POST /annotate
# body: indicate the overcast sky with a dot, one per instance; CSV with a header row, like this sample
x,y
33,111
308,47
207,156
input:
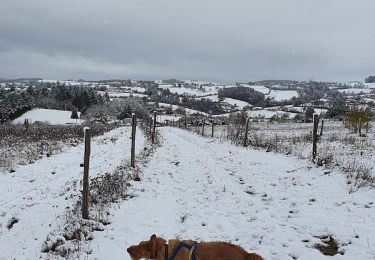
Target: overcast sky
x,y
225,41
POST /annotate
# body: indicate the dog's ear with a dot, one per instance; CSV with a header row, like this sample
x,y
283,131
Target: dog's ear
x,y
153,246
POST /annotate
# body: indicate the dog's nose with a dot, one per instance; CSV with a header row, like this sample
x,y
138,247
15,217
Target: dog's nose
x,y
128,249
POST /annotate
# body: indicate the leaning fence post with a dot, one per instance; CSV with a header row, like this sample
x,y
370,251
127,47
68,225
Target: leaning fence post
x,y
154,129
246,132
86,164
315,135
321,128
134,128
212,130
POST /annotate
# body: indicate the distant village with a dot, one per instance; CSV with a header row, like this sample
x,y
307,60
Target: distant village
x,y
267,99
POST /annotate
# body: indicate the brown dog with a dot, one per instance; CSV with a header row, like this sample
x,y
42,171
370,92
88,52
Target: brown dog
x,y
155,249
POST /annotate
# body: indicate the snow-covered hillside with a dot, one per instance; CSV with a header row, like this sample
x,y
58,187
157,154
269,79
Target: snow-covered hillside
x,y
54,117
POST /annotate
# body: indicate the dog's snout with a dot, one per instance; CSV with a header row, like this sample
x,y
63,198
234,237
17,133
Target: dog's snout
x,y
129,249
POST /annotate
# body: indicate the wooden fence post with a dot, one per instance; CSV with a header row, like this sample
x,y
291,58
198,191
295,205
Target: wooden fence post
x,y
203,123
228,128
150,119
154,129
86,162
212,130
185,122
315,135
246,132
134,129
321,128
360,127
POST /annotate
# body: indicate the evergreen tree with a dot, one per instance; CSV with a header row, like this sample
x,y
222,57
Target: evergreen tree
x,y
74,114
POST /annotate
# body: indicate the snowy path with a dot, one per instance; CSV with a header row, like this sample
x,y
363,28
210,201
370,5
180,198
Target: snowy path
x,y
272,204
36,194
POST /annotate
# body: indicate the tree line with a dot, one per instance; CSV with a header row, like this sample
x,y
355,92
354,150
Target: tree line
x,y
370,79
14,102
248,95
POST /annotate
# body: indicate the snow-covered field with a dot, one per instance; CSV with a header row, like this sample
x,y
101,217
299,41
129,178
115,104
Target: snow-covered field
x,y
54,117
235,102
280,95
355,91
198,188
37,194
338,147
275,205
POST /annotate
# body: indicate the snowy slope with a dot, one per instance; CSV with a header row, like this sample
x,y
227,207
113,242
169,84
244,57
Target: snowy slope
x,y
54,117
261,89
36,193
239,103
280,95
271,204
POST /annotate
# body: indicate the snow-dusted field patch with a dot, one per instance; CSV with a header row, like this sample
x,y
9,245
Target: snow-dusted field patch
x,y
280,95
235,102
54,117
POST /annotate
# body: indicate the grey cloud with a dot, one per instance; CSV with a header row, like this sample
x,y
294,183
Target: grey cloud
x,y
213,39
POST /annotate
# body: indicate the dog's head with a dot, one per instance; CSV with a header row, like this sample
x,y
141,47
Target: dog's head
x,y
151,249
